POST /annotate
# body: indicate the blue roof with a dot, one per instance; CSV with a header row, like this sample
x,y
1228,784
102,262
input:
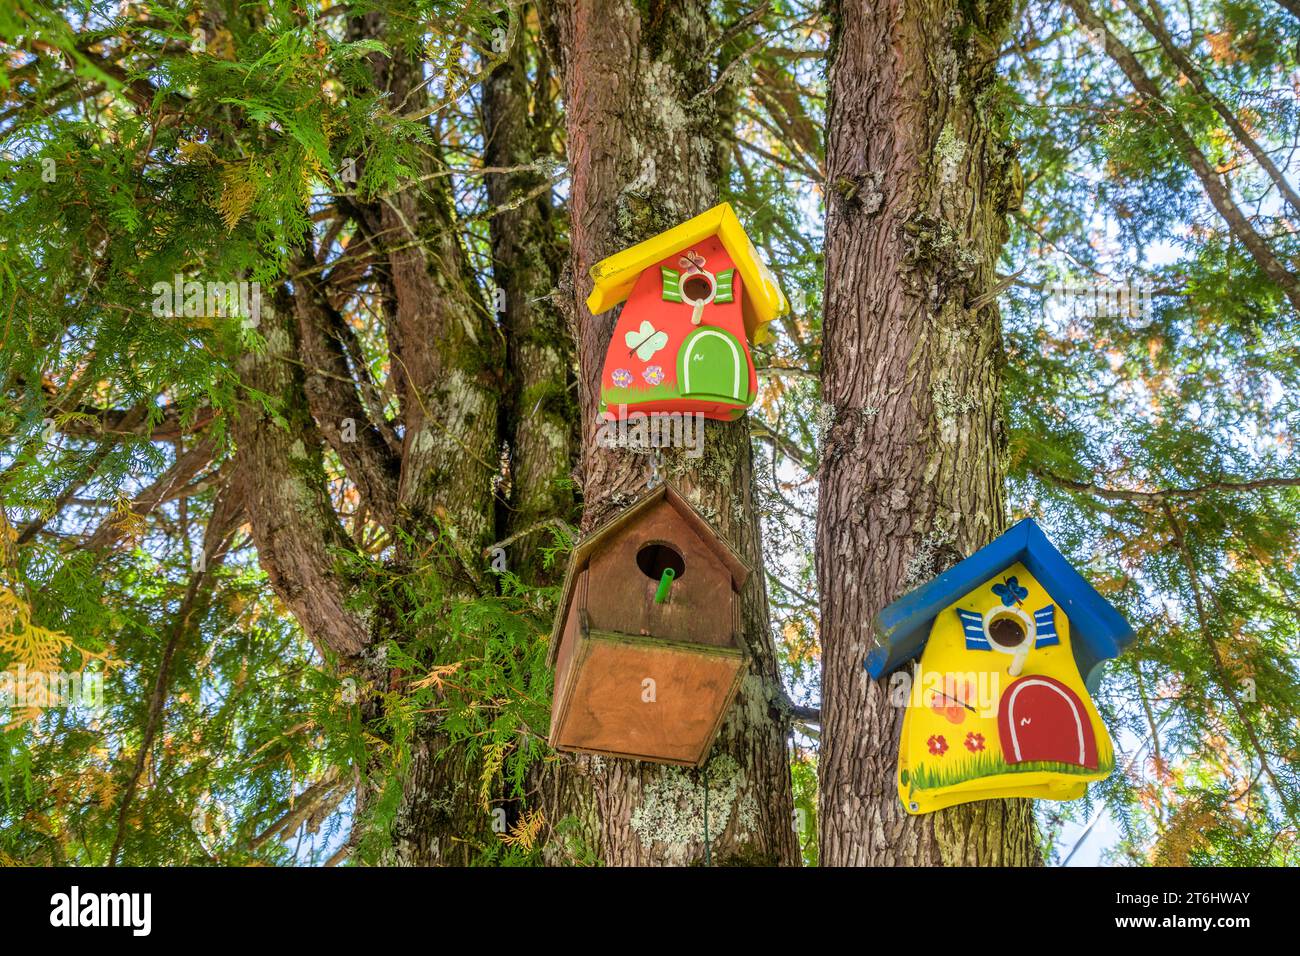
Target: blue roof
x,y
1098,632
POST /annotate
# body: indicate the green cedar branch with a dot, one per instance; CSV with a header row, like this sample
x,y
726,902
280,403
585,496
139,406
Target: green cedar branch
x,y
1164,494
1215,189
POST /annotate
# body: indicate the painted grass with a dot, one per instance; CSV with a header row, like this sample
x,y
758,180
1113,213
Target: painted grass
x,y
987,763
635,394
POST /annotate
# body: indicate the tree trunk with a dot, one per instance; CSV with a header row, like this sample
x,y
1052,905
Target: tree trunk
x,y
447,371
281,476
912,459
528,256
646,151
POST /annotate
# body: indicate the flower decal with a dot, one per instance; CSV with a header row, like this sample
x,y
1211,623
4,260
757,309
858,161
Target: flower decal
x,y
654,374
974,742
622,377
938,746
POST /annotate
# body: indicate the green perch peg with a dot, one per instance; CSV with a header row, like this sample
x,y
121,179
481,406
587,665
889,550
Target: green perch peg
x,y
665,583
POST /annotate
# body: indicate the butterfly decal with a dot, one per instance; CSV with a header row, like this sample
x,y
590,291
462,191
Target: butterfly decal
x,y
953,701
1010,591
645,342
692,262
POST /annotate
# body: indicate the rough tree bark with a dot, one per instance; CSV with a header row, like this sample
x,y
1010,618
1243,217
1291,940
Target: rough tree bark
x,y
646,151
435,492
539,407
911,476
281,475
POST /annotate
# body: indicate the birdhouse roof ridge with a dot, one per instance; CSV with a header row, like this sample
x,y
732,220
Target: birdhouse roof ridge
x,y
1098,631
615,276
583,550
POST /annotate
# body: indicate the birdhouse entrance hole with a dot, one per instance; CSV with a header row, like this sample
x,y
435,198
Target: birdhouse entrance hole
x,y
1006,632
697,288
654,558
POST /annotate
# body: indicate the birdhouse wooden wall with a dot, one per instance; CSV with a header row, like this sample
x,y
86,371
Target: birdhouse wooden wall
x,y
629,565
998,707
646,668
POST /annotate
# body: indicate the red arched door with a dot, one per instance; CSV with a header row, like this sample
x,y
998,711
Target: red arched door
x,y
1039,718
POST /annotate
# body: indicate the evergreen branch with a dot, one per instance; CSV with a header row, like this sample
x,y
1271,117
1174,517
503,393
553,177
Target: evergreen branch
x,y
1153,22
566,529
221,525
87,472
1216,190
187,464
1224,681
783,444
1164,494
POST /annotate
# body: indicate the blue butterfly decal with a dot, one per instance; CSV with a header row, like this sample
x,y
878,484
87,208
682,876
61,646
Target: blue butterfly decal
x,y
1011,592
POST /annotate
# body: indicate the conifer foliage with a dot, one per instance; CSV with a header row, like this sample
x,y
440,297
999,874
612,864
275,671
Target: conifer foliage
x,y
291,454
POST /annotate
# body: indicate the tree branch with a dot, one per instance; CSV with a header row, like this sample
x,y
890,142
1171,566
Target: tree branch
x,y
1164,494
333,400
1215,189
188,464
221,525
282,481
1154,25
1224,682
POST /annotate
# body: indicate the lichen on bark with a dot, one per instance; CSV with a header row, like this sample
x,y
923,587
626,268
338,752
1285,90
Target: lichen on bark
x,y
675,810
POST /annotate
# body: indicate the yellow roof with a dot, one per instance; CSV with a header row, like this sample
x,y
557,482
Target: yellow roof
x,y
614,277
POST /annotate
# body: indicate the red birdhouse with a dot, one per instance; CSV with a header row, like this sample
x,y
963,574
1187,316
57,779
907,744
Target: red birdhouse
x,y
697,297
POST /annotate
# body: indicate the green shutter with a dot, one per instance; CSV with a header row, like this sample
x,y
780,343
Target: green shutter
x,y
672,284
724,286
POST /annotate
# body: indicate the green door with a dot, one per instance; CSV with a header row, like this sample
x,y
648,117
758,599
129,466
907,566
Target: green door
x,y
711,365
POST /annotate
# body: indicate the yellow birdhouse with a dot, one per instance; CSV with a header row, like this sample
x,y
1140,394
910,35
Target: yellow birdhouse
x,y
1010,640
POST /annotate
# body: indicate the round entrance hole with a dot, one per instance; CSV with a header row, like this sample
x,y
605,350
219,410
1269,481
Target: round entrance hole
x,y
696,288
1006,632
655,557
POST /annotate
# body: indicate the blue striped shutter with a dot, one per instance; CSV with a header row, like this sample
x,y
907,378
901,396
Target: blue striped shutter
x,y
972,624
1045,627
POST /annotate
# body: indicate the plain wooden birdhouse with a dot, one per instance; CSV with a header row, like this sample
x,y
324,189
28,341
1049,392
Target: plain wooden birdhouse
x,y
646,644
